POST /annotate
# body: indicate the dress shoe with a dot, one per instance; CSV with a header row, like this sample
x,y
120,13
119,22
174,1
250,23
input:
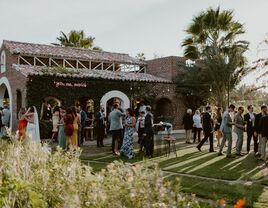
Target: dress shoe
x,y
257,155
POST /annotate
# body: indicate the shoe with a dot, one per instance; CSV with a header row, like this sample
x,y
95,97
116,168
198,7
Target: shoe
x,y
199,149
220,154
188,142
257,155
212,151
239,154
230,156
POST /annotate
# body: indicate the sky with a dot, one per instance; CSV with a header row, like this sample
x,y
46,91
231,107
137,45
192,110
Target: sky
x,y
153,27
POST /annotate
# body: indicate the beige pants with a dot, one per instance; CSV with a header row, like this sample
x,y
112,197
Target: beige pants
x,y
188,135
263,148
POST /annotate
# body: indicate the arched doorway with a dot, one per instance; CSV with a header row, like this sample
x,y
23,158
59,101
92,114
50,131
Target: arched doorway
x,y
164,110
19,101
115,96
6,96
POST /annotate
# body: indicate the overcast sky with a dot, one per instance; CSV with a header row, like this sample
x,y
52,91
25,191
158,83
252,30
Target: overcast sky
x,y
155,27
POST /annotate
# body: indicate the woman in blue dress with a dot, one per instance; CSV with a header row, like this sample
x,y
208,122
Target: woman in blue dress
x,y
61,134
130,123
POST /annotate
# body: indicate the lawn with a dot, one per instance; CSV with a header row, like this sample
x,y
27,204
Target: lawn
x,y
205,174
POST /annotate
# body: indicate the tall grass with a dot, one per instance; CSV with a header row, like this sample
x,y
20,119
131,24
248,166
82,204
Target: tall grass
x,y
32,176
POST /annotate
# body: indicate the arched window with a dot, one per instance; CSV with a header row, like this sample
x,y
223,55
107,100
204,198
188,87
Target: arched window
x,y
3,61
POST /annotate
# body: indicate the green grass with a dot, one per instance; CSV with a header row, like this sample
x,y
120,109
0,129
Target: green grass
x,y
218,190
205,164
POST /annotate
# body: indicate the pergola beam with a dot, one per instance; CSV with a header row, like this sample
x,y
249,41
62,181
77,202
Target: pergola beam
x,y
76,64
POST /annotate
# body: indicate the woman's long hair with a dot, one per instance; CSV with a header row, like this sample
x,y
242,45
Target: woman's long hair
x,y
131,112
218,112
74,111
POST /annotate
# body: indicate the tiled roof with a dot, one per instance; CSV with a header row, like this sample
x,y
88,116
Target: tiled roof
x,y
27,70
32,49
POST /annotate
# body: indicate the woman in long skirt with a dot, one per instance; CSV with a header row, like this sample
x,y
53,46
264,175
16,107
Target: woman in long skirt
x,y
32,129
22,124
130,123
76,123
61,134
68,125
55,123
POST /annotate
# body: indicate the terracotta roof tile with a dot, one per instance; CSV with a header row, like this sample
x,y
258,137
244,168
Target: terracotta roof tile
x,y
27,70
69,52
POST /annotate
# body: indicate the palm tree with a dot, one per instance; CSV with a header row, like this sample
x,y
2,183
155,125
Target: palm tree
x,y
212,37
77,39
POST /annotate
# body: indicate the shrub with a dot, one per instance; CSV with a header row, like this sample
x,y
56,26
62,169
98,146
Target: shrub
x,y
32,176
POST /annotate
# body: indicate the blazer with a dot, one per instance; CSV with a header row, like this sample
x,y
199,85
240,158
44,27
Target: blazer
x,y
188,121
263,126
100,120
207,123
249,123
115,120
148,124
239,124
257,122
226,126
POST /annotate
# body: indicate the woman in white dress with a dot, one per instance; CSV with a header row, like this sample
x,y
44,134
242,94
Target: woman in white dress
x,y
32,129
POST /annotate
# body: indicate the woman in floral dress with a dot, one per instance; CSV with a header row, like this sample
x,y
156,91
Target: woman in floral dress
x,y
130,123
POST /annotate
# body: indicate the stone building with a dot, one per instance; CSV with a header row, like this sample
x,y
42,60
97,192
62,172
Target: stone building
x,y
69,76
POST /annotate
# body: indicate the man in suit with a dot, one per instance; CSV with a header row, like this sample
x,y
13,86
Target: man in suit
x,y
250,121
239,128
116,128
149,133
264,133
100,127
207,129
257,132
226,128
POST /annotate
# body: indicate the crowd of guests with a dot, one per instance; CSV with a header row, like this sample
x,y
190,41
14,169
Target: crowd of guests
x,y
123,126
72,126
223,125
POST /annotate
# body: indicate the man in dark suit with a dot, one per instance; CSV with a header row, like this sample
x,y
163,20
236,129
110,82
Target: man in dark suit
x,y
264,134
257,132
149,133
100,127
207,129
250,119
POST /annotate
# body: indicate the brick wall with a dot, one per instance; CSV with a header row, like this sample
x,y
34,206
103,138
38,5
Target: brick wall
x,y
168,68
17,82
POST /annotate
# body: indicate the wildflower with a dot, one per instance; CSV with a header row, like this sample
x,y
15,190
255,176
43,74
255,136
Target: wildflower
x,y
222,203
240,204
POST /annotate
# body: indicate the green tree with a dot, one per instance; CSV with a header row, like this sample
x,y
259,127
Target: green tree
x,y
141,56
77,39
213,38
